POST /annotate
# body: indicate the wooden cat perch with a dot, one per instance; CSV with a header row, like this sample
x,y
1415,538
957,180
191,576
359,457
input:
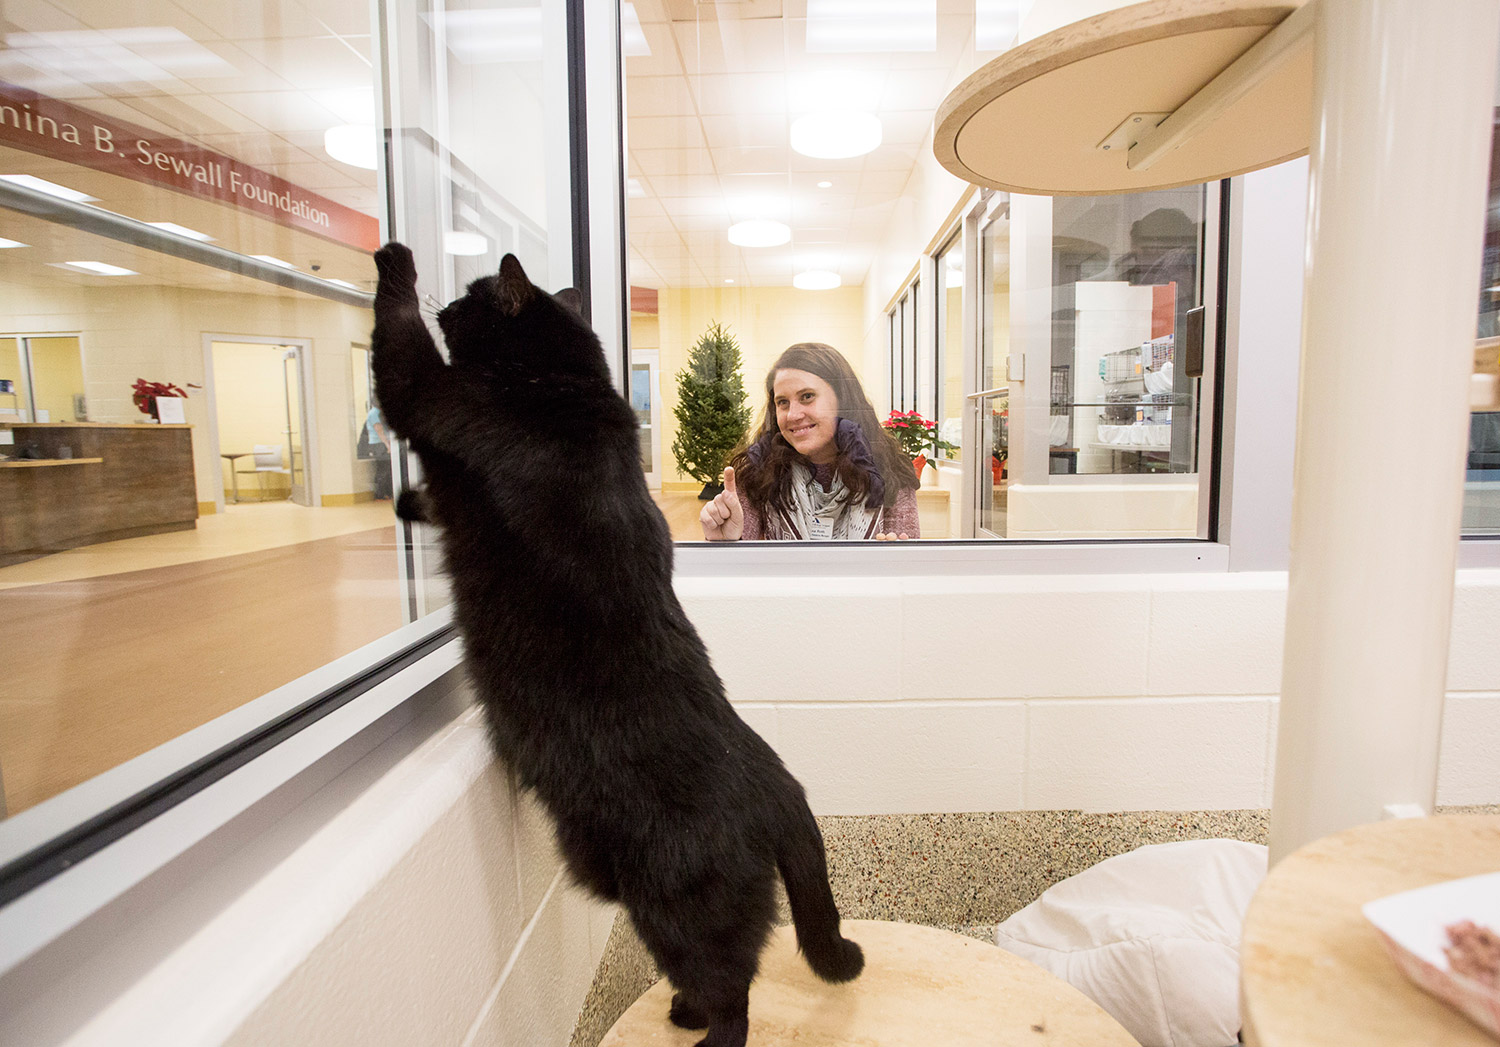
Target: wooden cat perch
x,y
1150,96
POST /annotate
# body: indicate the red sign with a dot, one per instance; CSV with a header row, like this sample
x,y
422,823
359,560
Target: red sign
x,y
54,128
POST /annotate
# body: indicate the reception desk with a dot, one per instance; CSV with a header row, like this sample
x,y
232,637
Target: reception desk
x,y
68,484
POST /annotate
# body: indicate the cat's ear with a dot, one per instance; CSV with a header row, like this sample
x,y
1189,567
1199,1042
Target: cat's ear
x,y
570,298
513,289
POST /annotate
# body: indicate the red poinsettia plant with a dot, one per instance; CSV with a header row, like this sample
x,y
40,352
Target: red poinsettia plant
x,y
143,394
916,435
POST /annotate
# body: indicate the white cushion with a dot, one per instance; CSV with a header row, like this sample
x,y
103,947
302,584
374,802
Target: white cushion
x,y
1152,936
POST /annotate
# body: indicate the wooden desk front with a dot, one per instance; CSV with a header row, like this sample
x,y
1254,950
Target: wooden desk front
x,y
117,481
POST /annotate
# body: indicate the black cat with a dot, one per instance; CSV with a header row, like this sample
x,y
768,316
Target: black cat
x,y
598,690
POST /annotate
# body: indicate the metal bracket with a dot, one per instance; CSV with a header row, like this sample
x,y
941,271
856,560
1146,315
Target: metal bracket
x,y
1124,137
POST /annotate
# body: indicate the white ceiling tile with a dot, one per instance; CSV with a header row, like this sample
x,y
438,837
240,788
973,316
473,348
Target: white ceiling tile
x,y
659,96
812,236
640,227
768,185
316,176
686,219
883,183
281,110
642,208
112,14
258,149
746,131
650,10
891,157
197,115
734,94
762,160
672,186
685,208
654,162
38,18
909,127
242,20
907,89
663,59
345,17
664,132
741,46
250,73
319,62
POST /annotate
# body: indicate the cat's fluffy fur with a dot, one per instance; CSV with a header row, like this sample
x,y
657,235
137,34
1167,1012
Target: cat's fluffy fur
x,y
599,692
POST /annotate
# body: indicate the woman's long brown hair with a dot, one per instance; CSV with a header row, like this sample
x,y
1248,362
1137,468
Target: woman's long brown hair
x,y
766,477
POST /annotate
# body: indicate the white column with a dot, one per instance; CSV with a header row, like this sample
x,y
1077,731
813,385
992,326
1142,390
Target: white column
x,y
1401,137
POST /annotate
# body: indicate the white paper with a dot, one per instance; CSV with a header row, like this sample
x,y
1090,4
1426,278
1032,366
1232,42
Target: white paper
x,y
169,409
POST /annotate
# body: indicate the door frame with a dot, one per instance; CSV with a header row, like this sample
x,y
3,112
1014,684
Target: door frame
x,y
303,346
651,358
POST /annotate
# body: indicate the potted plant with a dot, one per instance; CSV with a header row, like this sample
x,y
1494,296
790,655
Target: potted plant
x,y
711,411
143,394
916,437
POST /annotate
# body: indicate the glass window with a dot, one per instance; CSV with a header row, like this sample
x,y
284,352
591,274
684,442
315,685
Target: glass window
x,y
1481,512
948,318
195,478
780,179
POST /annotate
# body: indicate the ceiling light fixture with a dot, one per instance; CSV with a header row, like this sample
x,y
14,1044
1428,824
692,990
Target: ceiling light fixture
x,y
759,232
41,185
181,230
96,268
4,243
271,259
836,135
729,279
825,185
465,244
352,144
817,280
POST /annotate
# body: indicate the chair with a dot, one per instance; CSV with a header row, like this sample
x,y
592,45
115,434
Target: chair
x,y
267,460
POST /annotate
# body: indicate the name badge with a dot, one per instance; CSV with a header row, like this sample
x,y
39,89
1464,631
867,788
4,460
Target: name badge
x,y
820,528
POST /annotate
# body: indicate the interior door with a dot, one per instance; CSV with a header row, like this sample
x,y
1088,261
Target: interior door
x,y
296,423
645,399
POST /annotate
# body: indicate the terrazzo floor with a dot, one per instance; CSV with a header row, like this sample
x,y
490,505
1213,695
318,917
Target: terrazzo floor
x,y
961,872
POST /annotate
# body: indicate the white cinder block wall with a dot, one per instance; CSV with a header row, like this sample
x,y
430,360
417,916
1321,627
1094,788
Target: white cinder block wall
x,y
1130,692
431,909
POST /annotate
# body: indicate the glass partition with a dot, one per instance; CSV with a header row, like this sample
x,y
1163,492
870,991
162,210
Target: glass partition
x,y
781,184
1481,512
195,481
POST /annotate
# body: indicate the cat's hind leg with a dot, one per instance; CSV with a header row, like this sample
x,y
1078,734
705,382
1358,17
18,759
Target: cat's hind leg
x,y
708,942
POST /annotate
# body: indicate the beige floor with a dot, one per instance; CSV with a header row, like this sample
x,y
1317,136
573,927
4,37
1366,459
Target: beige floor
x,y
245,528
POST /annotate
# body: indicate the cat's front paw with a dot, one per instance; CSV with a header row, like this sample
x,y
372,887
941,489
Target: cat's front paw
x,y
397,268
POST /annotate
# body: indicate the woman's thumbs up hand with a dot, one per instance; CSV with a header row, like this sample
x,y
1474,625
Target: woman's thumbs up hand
x,y
722,518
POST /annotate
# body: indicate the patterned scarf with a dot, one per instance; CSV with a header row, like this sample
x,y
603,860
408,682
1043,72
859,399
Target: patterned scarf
x,y
829,515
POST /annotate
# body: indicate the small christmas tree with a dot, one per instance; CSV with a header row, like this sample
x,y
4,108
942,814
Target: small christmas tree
x,y
712,415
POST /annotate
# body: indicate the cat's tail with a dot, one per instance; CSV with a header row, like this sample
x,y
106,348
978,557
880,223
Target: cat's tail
x,y
804,870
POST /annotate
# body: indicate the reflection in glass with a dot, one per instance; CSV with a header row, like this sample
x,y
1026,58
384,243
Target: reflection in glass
x,y
1481,512
1127,271
155,576
948,311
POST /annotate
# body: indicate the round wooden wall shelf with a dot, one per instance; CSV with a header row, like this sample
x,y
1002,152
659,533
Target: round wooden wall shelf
x,y
1056,116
